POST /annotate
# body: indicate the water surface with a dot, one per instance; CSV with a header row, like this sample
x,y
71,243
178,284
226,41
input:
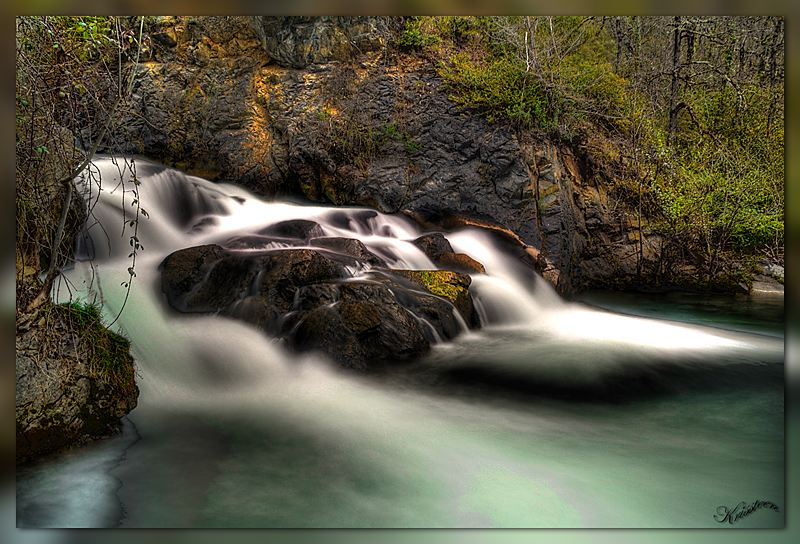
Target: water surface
x,y
616,411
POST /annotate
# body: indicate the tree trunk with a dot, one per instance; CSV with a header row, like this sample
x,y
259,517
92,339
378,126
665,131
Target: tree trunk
x,y
775,48
676,57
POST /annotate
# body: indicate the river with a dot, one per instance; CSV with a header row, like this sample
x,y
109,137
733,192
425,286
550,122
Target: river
x,y
613,410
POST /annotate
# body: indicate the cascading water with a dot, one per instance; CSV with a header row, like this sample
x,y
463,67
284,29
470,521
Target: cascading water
x,y
551,414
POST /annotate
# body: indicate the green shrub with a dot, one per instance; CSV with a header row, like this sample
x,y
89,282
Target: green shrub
x,y
415,38
499,88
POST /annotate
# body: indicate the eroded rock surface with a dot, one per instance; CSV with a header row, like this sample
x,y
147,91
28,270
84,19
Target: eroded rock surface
x,y
315,106
323,108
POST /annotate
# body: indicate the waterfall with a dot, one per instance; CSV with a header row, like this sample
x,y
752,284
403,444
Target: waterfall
x,y
550,414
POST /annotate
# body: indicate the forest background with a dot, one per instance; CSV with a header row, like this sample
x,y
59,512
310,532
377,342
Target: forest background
x,y
789,9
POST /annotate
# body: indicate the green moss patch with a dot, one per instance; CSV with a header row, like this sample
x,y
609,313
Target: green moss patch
x,y
107,353
444,283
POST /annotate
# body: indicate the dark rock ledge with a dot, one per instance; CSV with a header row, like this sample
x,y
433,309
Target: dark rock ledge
x,y
308,299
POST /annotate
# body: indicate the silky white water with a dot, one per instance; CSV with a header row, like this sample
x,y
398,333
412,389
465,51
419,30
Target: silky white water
x,y
552,414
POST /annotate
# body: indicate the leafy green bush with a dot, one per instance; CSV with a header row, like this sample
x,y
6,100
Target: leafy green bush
x,y
500,88
595,83
88,38
415,38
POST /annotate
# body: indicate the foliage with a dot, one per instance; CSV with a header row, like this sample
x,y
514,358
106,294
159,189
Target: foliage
x,y
727,192
548,77
89,38
689,133
499,88
107,354
416,37
72,78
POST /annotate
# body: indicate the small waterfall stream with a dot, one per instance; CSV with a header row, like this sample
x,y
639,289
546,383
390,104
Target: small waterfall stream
x,y
551,414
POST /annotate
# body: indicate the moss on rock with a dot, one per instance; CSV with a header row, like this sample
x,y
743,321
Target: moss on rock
x,y
74,379
444,283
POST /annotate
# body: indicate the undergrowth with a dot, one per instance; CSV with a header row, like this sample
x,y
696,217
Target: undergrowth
x,y
107,354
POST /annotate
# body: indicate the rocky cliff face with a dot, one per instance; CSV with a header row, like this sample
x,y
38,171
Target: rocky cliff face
x,y
320,107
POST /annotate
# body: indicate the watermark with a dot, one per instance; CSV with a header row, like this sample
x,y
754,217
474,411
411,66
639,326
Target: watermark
x,y
732,515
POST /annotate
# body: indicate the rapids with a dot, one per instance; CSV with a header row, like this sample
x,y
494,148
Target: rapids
x,y
551,414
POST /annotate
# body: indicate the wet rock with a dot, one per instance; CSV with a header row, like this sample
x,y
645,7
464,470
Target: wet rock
x,y
433,245
294,228
183,270
460,262
361,317
349,246
209,278
227,279
439,318
257,241
444,283
388,330
323,330
351,219
257,310
313,296
291,269
305,298
438,249
366,325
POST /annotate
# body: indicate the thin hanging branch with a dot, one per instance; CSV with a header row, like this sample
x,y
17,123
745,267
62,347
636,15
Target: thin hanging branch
x,y
68,182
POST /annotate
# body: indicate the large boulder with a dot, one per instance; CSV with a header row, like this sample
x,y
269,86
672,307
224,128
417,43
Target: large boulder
x,y
221,279
366,324
297,41
65,394
306,298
